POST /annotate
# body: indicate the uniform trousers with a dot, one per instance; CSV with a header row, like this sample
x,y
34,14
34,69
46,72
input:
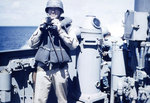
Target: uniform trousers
x,y
54,75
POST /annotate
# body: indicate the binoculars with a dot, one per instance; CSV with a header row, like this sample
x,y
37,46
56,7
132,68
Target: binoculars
x,y
48,25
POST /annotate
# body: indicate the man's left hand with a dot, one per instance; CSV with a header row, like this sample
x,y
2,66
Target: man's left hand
x,y
57,23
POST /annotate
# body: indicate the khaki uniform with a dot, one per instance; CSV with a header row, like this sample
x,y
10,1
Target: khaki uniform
x,y
54,74
58,77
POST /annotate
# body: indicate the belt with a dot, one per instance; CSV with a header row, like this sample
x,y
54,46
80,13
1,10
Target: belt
x,y
42,65
54,65
59,65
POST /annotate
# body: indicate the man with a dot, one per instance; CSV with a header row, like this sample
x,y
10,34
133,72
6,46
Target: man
x,y
107,46
55,37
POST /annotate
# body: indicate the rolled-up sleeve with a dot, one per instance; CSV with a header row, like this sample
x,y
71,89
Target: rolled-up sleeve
x,y
35,38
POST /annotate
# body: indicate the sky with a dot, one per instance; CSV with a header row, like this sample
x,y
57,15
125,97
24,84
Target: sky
x,y
30,13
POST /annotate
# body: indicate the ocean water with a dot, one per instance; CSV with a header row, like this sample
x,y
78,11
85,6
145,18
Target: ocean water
x,y
15,37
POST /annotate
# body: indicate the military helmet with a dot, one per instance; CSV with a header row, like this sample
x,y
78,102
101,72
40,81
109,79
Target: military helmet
x,y
54,3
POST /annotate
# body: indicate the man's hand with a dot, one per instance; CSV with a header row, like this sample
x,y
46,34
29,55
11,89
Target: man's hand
x,y
57,23
105,53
